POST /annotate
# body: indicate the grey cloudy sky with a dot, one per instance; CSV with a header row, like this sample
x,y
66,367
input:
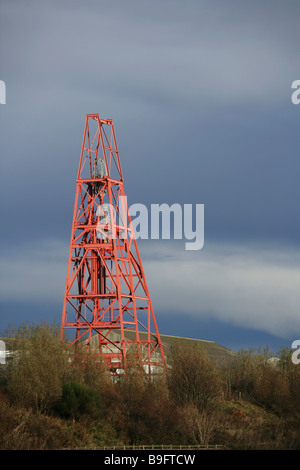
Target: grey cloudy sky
x,y
200,94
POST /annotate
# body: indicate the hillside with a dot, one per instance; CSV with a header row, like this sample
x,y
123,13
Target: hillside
x,y
47,403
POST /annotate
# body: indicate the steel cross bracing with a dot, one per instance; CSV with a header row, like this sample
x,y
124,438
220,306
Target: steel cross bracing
x,y
106,290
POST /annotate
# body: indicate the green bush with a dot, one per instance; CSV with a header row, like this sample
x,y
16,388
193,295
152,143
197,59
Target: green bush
x,y
79,400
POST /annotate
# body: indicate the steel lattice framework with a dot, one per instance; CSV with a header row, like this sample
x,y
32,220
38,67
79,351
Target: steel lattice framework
x,y
106,289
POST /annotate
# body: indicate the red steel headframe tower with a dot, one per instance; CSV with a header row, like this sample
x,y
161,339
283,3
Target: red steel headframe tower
x,y
106,290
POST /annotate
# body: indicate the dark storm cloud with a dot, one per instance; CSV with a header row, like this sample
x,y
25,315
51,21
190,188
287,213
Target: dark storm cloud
x,y
200,94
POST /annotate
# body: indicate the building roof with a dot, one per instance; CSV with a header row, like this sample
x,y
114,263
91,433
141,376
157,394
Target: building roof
x,y
217,353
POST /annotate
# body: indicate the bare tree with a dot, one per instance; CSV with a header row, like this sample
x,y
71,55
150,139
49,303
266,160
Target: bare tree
x,y
36,373
200,425
192,378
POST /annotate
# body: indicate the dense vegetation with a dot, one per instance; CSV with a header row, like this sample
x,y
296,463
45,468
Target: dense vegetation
x,y
48,403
